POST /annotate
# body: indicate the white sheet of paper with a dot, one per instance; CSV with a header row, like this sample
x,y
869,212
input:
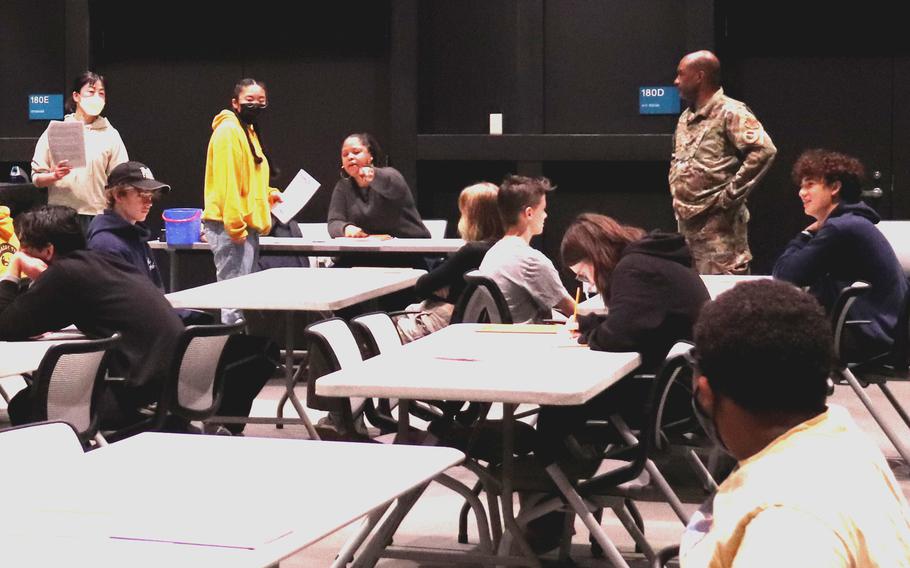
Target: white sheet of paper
x,y
67,142
298,193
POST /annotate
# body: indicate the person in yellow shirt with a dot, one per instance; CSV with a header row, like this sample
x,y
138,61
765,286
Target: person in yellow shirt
x,y
238,196
810,487
9,244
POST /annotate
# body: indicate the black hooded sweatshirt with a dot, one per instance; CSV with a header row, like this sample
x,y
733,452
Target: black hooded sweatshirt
x,y
654,299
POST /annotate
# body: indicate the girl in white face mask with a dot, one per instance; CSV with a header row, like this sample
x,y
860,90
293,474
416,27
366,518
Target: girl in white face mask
x,y
74,185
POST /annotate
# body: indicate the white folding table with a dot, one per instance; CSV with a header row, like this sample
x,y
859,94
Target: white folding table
x,y
319,247
190,500
491,363
296,289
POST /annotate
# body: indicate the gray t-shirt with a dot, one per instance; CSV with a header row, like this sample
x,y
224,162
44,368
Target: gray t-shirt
x,y
527,278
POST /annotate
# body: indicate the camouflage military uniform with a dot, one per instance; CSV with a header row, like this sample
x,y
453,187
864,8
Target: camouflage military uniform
x,y
720,152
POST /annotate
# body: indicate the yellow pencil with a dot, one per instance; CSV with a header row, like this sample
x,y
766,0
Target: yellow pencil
x,y
577,298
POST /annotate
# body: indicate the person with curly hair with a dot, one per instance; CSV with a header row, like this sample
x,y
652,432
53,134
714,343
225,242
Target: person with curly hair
x,y
843,246
810,488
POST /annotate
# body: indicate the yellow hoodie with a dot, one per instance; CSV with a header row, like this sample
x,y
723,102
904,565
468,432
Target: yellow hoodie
x,y
9,244
236,188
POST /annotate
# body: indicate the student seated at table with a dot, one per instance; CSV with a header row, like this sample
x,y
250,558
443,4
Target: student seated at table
x,y
526,277
371,199
843,246
654,295
98,293
120,230
811,488
440,288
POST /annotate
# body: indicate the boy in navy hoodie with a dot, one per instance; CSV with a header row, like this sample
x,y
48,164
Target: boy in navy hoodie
x,y
843,246
120,230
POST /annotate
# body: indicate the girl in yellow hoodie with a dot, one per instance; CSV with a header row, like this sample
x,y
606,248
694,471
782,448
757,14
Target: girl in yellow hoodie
x,y
9,244
238,199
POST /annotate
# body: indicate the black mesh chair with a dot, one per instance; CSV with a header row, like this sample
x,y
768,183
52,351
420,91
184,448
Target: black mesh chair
x,y
628,472
878,370
195,382
481,302
68,385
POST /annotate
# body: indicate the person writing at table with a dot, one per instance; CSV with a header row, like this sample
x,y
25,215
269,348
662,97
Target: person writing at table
x,y
82,188
238,196
654,296
440,288
370,200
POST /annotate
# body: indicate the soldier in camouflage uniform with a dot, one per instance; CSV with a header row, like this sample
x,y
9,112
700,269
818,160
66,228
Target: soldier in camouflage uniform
x,y
720,152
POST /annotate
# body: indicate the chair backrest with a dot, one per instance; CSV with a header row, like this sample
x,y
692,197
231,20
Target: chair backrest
x,y
330,347
674,370
314,231
377,332
68,383
898,235
839,312
437,227
481,302
194,386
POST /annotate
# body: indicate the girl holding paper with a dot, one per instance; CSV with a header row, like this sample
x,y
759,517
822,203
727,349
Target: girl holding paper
x,y
81,188
238,198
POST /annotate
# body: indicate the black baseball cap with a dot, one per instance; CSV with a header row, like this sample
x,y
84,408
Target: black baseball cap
x,y
137,175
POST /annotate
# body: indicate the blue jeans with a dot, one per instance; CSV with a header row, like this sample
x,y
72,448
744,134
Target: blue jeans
x,y
231,259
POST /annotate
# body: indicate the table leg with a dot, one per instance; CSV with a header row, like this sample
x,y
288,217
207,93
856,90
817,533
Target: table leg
x,y
578,505
175,272
291,379
508,441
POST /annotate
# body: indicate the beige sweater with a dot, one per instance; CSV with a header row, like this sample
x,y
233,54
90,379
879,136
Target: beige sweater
x,y
83,188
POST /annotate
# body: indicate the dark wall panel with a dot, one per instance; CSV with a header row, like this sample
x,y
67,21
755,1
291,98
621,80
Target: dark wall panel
x,y
466,67
31,61
634,193
597,56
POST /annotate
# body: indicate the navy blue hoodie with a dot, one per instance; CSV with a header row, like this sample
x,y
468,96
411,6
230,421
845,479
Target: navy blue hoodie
x,y
111,233
848,248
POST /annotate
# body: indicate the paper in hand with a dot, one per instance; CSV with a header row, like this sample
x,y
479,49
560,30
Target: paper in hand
x,y
67,142
298,193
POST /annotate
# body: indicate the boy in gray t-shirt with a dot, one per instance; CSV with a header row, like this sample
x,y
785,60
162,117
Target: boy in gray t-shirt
x,y
527,278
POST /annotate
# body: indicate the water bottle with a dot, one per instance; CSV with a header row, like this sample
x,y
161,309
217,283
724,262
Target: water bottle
x,y
16,175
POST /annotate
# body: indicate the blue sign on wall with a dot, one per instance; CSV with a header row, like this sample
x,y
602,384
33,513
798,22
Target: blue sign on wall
x,y
45,107
658,100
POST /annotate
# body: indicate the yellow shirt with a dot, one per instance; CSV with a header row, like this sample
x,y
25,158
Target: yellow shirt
x,y
236,188
819,495
9,244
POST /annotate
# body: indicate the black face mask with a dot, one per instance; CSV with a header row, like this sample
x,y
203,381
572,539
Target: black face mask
x,y
249,112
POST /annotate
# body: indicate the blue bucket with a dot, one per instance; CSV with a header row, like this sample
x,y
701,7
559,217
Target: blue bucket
x,y
182,226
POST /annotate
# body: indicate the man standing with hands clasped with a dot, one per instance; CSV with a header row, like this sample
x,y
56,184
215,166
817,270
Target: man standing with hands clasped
x,y
720,152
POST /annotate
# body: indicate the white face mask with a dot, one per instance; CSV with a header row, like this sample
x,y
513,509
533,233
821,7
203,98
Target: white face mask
x,y
92,105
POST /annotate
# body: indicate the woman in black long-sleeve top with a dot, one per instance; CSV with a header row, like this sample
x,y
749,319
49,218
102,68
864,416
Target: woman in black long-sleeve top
x,y
440,288
371,200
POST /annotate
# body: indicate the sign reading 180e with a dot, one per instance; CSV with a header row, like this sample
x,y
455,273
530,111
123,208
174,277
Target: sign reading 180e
x,y
45,107
658,100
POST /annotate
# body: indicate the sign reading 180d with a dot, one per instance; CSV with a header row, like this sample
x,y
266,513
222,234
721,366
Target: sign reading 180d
x,y
658,100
